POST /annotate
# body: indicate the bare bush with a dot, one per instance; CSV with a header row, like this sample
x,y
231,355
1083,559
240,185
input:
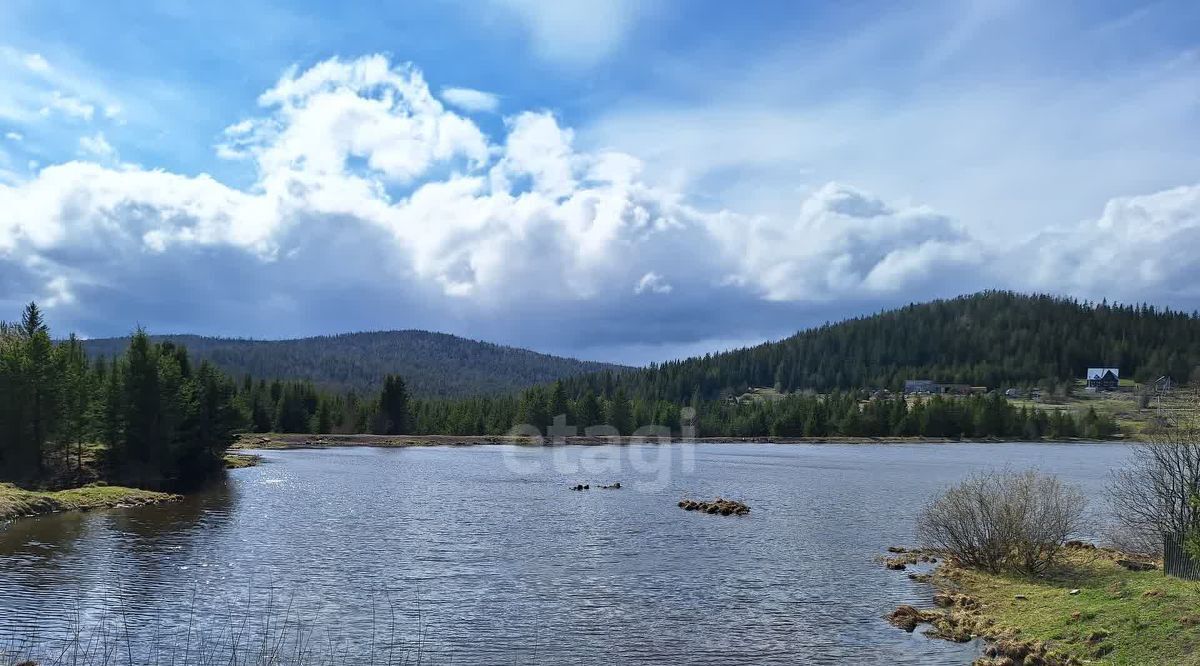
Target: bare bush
x,y
1004,520
1158,492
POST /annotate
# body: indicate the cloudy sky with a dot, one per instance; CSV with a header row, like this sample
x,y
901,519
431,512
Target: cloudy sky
x,y
629,180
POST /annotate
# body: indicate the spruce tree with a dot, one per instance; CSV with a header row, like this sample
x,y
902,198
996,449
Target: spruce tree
x,y
619,413
393,406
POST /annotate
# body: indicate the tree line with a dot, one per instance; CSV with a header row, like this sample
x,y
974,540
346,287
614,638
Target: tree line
x,y
434,365
549,408
151,417
148,417
996,339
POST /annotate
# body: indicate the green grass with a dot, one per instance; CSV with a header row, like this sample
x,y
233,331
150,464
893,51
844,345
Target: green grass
x,y
241,460
1118,616
16,502
1134,422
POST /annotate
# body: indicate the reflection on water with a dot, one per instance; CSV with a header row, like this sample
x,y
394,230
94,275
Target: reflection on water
x,y
482,554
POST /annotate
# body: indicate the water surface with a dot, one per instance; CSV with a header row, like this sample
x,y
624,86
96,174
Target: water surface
x,y
482,554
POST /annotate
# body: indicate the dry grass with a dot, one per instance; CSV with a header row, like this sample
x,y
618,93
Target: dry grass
x,y
268,631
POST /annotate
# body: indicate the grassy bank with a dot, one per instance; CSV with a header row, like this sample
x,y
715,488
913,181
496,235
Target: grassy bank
x,y
241,460
309,441
16,502
1114,616
1123,406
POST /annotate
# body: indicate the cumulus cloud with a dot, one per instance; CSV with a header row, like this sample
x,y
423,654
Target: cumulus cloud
x,y
471,100
843,241
14,136
374,205
1139,245
340,111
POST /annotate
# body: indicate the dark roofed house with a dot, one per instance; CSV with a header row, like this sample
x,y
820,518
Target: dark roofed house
x,y
1103,379
920,386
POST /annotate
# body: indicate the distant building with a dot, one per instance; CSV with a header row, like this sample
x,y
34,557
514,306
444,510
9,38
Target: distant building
x,y
1012,393
921,386
912,386
1103,379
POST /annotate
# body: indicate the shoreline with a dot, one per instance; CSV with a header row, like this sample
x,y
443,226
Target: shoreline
x,y
241,460
16,503
283,441
1090,608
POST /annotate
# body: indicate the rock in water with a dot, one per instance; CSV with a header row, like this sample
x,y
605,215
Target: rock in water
x,y
720,506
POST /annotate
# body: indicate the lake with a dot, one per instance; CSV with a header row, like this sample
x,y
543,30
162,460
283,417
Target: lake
x,y
483,555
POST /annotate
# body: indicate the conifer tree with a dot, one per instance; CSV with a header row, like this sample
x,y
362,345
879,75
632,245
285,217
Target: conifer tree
x,y
619,413
393,406
587,410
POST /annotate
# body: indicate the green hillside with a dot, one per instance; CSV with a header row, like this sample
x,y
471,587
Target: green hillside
x,y
993,339
433,364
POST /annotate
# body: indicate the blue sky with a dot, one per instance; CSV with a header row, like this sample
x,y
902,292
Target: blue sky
x,y
625,180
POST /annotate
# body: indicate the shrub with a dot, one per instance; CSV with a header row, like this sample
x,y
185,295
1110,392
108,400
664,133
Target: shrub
x,y
1157,492
1004,520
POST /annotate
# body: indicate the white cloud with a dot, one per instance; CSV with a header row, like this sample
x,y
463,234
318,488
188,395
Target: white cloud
x,y
1008,121
471,100
35,62
1140,245
540,150
341,111
367,185
842,241
97,146
653,283
14,136
34,90
69,106
58,292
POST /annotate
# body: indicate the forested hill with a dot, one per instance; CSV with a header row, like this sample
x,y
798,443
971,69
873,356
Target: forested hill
x,y
993,339
432,364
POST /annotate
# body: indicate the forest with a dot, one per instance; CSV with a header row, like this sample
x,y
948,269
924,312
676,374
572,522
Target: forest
x,y
148,417
434,365
996,339
300,408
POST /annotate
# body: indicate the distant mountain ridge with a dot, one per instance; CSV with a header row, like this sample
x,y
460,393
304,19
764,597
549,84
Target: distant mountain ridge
x,y
991,338
434,365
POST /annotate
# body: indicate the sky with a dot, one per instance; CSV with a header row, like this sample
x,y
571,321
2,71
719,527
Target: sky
x,y
631,180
